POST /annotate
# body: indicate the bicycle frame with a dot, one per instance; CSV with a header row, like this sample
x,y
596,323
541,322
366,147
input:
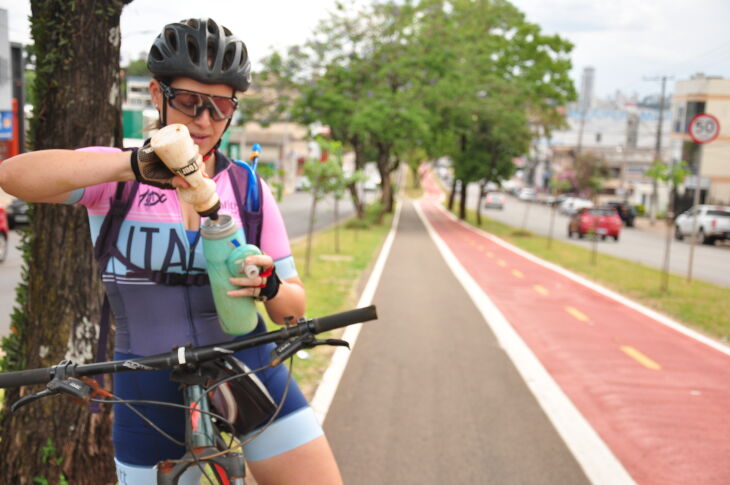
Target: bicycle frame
x,y
200,443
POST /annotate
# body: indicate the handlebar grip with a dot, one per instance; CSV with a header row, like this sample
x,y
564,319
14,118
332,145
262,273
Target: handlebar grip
x,y
25,377
344,319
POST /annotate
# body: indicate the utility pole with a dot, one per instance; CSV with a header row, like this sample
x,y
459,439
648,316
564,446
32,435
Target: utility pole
x,y
657,148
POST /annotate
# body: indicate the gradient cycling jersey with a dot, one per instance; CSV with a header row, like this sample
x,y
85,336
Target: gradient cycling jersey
x,y
151,317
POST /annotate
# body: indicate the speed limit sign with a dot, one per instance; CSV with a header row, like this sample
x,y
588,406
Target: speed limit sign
x,y
704,128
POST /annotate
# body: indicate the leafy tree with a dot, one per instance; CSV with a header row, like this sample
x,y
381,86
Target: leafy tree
x,y
590,170
444,77
57,440
137,67
326,176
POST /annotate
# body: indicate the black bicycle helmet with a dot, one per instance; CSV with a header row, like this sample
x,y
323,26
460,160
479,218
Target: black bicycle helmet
x,y
202,50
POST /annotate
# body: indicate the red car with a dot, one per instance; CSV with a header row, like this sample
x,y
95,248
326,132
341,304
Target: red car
x,y
3,234
602,221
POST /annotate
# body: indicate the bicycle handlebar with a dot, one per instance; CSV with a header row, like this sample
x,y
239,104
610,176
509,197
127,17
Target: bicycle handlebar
x,y
183,355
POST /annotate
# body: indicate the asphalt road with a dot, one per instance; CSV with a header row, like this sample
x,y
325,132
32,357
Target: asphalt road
x,y
639,245
295,209
429,395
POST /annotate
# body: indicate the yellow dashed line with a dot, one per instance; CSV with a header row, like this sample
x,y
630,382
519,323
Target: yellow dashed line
x,y
640,358
541,289
517,273
490,254
576,313
501,263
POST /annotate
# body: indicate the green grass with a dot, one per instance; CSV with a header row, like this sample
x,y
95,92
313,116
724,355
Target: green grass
x,y
333,285
702,306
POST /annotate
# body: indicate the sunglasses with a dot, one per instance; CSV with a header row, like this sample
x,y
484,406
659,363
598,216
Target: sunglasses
x,y
193,104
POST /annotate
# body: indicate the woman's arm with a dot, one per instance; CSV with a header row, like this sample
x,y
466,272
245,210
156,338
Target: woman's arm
x,y
51,175
290,301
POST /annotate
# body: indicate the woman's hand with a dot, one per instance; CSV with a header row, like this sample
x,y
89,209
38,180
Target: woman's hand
x,y
263,287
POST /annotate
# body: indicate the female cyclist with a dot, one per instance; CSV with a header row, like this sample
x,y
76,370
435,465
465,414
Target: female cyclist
x,y
198,68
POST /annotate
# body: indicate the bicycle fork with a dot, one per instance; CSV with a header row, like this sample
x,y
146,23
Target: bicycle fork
x,y
200,441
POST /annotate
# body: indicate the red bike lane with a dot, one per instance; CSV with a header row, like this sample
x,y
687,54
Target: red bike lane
x,y
658,398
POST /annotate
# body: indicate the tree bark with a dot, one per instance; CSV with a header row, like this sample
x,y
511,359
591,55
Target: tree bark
x,y
57,440
462,201
386,187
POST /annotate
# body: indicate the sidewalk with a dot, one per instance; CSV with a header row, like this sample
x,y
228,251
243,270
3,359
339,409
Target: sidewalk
x,y
644,224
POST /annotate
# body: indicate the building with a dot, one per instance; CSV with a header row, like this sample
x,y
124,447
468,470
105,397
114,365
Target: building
x,y
710,161
285,146
624,136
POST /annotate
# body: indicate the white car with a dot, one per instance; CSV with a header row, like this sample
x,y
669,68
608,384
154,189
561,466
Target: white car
x,y
527,193
571,205
494,200
713,223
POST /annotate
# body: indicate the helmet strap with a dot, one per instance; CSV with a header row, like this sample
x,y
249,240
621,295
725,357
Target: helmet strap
x,y
163,120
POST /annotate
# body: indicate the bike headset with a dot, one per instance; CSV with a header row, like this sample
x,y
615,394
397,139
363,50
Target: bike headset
x,y
206,52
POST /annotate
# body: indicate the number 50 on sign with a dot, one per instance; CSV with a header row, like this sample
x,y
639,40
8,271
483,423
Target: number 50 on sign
x,y
704,128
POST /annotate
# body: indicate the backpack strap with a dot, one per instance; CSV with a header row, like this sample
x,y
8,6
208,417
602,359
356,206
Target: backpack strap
x,y
250,207
119,206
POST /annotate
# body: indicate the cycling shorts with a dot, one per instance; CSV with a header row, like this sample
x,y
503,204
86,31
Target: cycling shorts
x,y
137,443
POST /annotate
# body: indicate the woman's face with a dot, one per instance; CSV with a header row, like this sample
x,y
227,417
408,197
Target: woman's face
x,y
204,130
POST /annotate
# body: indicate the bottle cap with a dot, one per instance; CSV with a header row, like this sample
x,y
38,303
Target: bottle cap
x,y
218,229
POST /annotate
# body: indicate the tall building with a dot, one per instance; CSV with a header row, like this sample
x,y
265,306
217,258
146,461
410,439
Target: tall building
x,y
586,88
709,161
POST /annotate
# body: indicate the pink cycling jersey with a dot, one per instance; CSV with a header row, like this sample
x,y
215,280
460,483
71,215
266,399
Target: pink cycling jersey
x,y
152,317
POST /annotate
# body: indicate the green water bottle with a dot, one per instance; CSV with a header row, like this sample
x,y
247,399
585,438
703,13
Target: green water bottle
x,y
225,250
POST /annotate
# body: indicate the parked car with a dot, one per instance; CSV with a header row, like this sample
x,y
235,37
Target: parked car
x,y
626,211
3,234
602,221
572,205
17,214
371,184
527,193
713,223
494,200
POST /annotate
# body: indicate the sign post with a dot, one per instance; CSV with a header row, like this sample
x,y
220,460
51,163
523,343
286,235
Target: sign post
x,y
703,128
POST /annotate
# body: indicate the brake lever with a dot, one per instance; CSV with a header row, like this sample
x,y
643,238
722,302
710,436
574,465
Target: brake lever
x,y
334,342
290,347
60,384
29,399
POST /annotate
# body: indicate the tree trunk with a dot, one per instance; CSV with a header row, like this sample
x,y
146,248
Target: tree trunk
x,y
462,202
354,194
386,186
57,440
452,194
478,208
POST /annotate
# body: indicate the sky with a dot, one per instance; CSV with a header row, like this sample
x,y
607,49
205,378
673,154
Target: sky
x,y
627,42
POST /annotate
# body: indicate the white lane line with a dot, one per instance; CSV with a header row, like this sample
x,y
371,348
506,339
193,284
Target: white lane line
x,y
596,459
331,379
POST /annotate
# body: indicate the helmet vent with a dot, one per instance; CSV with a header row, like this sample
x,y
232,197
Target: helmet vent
x,y
193,51
228,57
171,39
212,27
155,53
